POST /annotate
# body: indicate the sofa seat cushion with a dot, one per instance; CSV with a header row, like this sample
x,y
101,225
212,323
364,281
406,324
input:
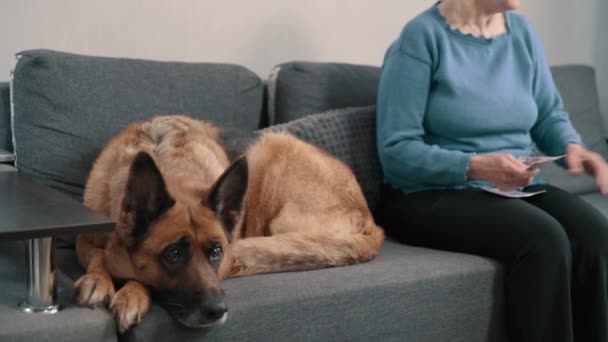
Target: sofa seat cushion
x,y
558,176
405,294
7,167
598,201
67,106
72,323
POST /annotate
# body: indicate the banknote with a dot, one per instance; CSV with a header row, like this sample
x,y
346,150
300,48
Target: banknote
x,y
513,193
536,161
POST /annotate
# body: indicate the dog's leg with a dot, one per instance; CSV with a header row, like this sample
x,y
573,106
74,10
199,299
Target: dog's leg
x,y
95,287
130,304
297,249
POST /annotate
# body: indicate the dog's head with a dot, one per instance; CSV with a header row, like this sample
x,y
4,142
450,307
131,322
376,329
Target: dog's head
x,y
180,251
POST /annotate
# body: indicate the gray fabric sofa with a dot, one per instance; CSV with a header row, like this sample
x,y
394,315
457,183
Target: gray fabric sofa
x,y
67,106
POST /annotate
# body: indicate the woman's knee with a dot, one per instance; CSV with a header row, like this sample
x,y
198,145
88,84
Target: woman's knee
x,y
585,225
547,239
592,241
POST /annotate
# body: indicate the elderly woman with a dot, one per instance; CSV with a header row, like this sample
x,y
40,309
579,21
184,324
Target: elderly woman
x,y
465,92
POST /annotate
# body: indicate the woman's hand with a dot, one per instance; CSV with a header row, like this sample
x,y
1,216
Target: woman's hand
x,y
501,169
580,160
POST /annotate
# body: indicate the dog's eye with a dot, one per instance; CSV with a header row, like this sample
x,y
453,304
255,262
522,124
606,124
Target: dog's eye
x,y
216,253
173,254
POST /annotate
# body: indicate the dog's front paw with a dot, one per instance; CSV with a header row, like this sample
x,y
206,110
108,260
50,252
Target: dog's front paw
x,y
94,289
130,304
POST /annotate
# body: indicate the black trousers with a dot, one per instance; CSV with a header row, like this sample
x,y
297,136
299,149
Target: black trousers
x,y
554,247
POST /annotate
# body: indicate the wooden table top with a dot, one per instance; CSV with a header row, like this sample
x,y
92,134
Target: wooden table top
x,y
31,210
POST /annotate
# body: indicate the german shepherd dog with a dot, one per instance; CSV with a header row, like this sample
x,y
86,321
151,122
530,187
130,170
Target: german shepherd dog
x,y
186,218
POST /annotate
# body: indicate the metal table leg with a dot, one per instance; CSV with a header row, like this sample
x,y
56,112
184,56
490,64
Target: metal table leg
x,y
41,291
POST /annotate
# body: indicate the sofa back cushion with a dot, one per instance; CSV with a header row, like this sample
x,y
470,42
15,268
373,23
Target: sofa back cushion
x,y
576,84
67,106
296,89
350,135
5,118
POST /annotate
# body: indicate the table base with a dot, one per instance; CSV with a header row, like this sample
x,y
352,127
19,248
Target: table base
x,y
41,290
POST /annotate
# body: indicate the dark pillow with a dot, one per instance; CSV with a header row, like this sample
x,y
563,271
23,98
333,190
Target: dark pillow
x,y
350,135
67,106
296,89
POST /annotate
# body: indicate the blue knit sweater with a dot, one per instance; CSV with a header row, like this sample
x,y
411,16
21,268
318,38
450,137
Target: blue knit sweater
x,y
445,96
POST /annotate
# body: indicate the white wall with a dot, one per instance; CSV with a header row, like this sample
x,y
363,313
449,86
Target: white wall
x,y
262,33
601,55
574,32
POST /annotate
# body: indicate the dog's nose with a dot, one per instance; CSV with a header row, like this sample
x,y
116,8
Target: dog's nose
x,y
213,308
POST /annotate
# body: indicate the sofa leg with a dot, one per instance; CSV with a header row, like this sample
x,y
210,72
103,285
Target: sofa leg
x,y
41,291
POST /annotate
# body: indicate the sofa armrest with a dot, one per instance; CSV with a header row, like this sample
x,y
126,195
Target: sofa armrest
x,y
5,118
6,156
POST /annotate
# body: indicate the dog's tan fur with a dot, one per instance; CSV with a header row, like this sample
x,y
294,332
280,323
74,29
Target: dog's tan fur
x,y
302,209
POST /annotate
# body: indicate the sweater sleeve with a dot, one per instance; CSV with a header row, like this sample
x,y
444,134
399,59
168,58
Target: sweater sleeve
x,y
553,130
404,155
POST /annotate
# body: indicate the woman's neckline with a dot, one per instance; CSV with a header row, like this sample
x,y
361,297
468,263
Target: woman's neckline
x,y
468,36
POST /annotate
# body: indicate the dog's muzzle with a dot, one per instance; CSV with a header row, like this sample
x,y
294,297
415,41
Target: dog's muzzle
x,y
210,311
213,309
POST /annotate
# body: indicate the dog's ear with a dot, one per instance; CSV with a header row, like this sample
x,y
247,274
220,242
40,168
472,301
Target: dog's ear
x,y
226,195
146,197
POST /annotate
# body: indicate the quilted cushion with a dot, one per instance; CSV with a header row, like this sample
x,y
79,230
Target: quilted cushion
x,y
350,135
67,106
296,89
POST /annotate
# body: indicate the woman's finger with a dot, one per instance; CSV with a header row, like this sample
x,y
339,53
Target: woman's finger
x,y
574,161
601,178
516,166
